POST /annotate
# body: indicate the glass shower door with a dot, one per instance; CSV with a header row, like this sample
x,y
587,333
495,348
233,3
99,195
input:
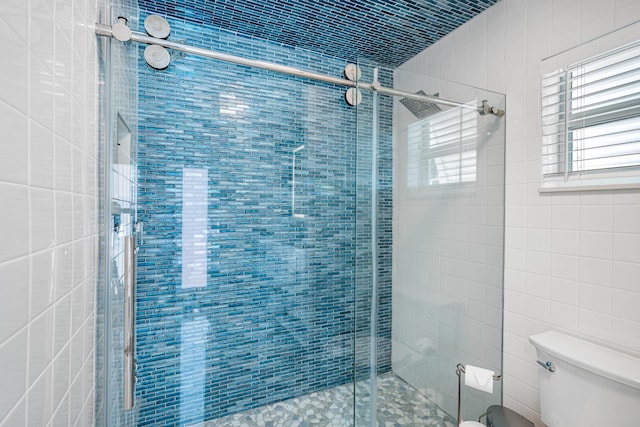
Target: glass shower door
x,y
245,276
244,190
118,160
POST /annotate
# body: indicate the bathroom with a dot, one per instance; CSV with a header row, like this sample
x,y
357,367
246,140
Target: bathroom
x,y
337,268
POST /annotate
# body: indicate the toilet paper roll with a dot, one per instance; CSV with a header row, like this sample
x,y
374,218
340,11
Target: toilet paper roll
x,y
478,378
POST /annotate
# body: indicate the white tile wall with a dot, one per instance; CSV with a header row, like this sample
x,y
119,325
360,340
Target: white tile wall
x,y
47,200
572,259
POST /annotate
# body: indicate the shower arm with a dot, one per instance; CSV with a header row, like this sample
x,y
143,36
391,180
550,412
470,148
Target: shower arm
x,y
108,31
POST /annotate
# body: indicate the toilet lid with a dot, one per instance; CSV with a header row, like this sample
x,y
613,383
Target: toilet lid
x,y
471,424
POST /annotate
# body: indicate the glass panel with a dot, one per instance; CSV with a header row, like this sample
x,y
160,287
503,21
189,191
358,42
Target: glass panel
x,y
118,176
448,228
606,146
246,194
373,243
268,224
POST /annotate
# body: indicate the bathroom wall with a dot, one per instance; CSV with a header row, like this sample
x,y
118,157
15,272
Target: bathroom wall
x,y
48,193
245,290
572,260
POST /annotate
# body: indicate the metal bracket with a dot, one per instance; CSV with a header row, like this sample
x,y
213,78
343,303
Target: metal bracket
x,y
485,109
353,96
105,30
121,30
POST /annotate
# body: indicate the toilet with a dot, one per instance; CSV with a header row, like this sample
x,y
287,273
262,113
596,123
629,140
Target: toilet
x,y
583,384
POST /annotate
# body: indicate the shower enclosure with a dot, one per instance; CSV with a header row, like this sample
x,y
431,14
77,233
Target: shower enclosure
x,y
271,253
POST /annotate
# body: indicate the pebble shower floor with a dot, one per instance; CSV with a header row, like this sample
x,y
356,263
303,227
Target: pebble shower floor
x,y
399,405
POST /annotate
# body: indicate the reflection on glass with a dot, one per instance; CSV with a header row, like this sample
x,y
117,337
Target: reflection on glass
x,y
194,228
296,169
442,148
193,347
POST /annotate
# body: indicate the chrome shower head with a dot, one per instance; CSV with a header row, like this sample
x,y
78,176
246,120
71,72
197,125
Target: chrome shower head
x,y
421,109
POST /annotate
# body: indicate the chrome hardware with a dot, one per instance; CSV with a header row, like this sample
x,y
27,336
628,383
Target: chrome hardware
x,y
121,31
547,365
460,369
485,109
353,96
130,367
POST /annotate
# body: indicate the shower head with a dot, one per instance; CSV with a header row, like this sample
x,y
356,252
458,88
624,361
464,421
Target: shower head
x,y
421,109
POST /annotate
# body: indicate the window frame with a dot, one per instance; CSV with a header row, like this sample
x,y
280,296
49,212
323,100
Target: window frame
x,y
560,64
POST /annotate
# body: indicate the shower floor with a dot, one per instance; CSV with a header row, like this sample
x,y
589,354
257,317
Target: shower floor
x,y
399,405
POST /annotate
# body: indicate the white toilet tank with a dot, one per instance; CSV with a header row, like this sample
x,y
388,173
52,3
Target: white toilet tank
x,y
591,385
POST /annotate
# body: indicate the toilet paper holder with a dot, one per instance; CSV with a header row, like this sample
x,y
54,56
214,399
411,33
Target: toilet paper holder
x,y
461,370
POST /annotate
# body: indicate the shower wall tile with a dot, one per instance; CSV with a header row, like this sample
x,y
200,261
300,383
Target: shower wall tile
x,y
13,371
42,223
348,29
13,85
593,264
16,213
39,276
276,315
14,12
14,287
41,157
17,417
40,344
13,156
42,92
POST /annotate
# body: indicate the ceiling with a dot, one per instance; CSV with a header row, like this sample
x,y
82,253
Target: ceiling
x,y
388,32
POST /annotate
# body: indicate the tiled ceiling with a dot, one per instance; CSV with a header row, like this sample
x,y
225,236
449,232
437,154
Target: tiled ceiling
x,y
388,32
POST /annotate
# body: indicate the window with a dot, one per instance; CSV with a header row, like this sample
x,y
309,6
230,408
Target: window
x,y
591,122
442,148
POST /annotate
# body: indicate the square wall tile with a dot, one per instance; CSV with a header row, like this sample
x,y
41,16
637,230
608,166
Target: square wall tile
x,y
15,214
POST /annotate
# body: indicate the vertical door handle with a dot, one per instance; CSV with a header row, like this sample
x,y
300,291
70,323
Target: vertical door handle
x,y
129,322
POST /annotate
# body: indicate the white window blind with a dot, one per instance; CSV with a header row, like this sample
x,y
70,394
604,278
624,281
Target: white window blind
x,y
591,121
442,148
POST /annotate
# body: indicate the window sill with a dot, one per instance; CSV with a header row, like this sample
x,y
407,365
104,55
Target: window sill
x,y
569,186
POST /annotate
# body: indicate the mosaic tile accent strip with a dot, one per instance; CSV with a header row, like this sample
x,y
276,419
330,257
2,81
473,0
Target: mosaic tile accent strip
x,y
386,32
399,405
276,318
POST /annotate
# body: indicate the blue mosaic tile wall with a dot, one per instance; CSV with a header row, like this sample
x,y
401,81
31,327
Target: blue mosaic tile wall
x,y
277,316
385,32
